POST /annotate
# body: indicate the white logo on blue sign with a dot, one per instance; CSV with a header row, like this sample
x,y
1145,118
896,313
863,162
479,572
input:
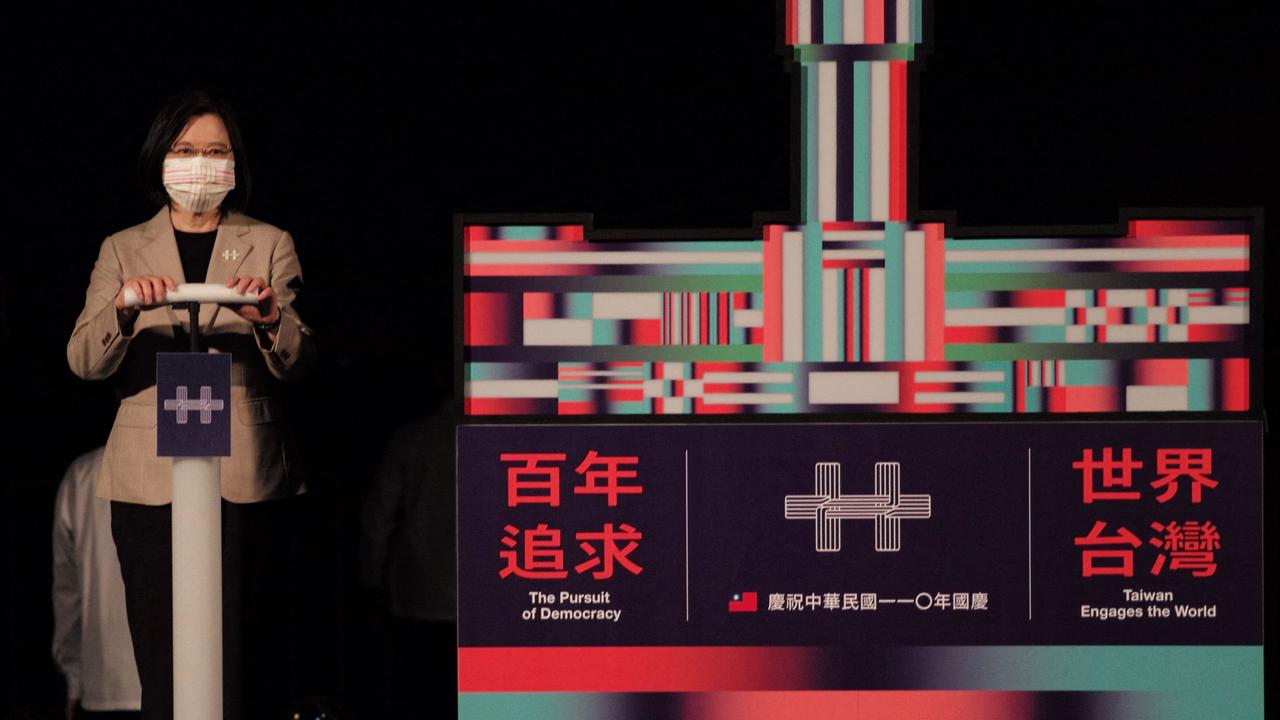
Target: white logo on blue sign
x,y
205,405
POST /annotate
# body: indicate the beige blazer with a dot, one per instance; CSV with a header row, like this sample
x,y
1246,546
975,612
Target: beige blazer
x,y
264,461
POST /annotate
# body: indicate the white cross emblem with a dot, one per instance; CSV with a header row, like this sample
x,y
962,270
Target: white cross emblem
x,y
230,255
206,405
888,507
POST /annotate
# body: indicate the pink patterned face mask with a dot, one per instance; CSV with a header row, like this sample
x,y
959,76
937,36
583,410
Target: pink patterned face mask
x,y
199,183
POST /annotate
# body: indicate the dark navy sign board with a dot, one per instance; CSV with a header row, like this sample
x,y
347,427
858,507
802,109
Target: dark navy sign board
x,y
193,404
990,516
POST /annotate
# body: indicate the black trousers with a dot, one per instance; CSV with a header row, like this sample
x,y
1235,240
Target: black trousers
x,y
258,590
424,670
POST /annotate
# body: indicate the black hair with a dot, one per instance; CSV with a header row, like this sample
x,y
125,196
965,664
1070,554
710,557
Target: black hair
x,y
172,119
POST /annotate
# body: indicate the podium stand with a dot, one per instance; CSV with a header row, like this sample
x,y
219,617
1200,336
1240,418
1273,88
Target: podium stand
x,y
193,392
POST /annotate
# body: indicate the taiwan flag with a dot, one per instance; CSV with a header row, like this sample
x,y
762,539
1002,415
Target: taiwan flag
x,y
743,602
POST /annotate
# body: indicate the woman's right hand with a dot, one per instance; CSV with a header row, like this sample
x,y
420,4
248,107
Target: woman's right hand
x,y
150,288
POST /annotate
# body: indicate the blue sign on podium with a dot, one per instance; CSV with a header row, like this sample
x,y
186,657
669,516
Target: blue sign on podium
x,y
193,399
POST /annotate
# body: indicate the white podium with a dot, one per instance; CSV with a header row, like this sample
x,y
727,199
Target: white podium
x,y
197,532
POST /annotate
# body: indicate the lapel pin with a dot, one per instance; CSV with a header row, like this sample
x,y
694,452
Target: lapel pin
x,y
230,255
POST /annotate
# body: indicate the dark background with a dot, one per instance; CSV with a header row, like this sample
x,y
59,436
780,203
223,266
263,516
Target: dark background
x,y
368,129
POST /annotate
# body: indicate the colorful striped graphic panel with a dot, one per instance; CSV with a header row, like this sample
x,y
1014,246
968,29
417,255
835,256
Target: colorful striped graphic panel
x,y
857,308
839,317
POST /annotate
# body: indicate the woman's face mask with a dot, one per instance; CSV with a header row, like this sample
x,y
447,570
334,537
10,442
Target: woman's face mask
x,y
199,183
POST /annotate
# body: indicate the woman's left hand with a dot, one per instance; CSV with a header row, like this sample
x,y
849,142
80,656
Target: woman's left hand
x,y
265,311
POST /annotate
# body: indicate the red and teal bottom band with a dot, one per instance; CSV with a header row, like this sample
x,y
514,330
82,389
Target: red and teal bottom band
x,y
967,681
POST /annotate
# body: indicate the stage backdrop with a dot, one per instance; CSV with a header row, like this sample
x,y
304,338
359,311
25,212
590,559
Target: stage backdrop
x,y
859,302
1107,568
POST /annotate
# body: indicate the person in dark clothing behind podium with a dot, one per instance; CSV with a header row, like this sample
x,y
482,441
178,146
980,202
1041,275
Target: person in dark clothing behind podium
x,y
408,559
194,166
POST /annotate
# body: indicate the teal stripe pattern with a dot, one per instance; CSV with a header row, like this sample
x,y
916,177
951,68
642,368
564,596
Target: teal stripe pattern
x,y
862,141
832,21
813,291
1200,384
894,285
809,120
541,706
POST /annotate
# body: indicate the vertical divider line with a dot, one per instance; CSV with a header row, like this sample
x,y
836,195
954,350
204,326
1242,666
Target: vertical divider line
x,y
686,535
1028,533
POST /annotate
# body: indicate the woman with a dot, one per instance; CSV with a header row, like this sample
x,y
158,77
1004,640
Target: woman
x,y
194,166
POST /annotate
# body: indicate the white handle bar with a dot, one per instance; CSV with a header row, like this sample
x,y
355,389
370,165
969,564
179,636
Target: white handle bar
x,y
196,293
